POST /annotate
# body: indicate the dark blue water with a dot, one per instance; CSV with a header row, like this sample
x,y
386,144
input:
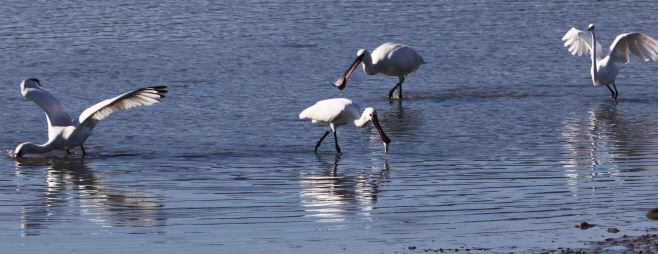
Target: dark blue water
x,y
501,143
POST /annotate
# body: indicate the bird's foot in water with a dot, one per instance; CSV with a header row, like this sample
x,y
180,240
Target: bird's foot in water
x,y
390,96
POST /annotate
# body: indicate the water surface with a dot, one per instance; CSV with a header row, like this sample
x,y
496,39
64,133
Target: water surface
x,y
501,143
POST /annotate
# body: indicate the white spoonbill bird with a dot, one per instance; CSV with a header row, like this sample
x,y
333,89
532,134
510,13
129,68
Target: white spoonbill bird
x,y
63,132
604,70
389,59
340,111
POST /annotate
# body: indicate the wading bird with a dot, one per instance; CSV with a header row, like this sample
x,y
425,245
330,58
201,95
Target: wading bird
x,y
389,59
339,111
63,132
604,70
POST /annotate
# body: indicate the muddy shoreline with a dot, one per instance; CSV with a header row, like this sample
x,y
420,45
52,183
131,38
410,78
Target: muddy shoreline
x,y
646,243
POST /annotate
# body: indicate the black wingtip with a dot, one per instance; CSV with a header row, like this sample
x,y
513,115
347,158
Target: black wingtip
x,y
36,81
160,89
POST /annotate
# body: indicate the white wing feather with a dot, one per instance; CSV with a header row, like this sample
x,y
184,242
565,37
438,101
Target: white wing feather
x,y
580,43
140,97
398,59
329,110
55,111
639,44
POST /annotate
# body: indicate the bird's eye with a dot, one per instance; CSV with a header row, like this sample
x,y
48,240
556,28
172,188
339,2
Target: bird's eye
x,y
370,114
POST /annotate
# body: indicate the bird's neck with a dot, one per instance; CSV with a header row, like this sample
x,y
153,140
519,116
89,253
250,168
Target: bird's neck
x,y
34,148
363,121
368,67
594,65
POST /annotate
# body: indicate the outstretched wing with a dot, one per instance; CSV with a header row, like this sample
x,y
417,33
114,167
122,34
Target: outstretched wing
x,y
56,113
639,44
580,42
140,97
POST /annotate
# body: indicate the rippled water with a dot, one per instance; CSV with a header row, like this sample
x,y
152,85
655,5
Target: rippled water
x,y
501,143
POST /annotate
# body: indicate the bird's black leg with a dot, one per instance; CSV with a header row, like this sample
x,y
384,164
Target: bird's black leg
x,y
320,141
616,93
83,150
68,152
336,140
390,93
613,92
400,89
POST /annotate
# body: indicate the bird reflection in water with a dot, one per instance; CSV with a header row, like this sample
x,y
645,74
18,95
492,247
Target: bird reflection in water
x,y
334,196
71,183
605,139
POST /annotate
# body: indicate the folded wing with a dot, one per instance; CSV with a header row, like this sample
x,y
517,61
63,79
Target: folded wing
x,y
140,97
580,43
329,110
639,44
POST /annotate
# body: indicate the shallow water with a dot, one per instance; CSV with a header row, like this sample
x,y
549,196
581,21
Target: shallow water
x,y
501,143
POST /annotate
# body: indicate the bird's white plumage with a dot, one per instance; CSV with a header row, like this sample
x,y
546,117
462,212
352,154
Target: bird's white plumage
x,y
341,111
338,111
639,44
56,113
63,132
580,43
390,59
139,97
604,70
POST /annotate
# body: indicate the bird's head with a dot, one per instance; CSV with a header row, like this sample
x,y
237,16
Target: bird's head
x,y
372,115
19,152
361,53
25,148
591,27
370,112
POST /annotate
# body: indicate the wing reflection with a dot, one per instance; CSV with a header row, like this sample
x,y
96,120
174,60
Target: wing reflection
x,y
331,196
607,138
71,183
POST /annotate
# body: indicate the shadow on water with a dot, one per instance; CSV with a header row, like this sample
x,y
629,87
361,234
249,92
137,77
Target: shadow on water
x,y
645,101
72,183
